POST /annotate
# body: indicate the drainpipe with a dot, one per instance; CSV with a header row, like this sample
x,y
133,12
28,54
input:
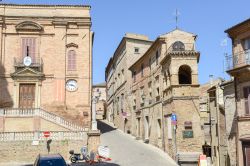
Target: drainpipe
x,y
236,119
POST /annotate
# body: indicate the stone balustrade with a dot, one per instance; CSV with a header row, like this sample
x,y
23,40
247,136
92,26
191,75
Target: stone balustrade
x,y
54,135
12,112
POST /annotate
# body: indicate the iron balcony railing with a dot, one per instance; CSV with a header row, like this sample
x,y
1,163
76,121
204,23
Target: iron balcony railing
x,y
36,62
238,59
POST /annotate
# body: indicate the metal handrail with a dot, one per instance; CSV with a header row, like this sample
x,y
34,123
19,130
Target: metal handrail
x,y
238,59
37,62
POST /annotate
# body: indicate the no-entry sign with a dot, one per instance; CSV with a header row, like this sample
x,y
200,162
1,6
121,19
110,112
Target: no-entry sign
x,y
46,134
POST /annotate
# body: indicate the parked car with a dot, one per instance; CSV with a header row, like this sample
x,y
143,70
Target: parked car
x,y
50,160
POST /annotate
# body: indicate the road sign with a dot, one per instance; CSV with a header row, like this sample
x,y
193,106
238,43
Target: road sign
x,y
46,134
173,117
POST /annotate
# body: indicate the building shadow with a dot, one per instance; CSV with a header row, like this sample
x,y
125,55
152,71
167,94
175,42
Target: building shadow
x,y
103,127
6,100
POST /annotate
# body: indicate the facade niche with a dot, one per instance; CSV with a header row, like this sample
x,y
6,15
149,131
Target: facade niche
x,y
185,75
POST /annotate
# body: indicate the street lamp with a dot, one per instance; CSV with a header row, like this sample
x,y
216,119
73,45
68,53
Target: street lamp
x,y
94,101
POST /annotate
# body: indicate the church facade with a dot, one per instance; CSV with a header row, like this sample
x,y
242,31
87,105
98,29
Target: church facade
x,y
46,60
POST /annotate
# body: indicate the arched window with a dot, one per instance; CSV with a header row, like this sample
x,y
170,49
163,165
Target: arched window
x,y
71,60
185,75
178,46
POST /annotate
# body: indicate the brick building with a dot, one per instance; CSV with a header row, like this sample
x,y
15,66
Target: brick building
x,y
118,79
238,68
46,61
165,82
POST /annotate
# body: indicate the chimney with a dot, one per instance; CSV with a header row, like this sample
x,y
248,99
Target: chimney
x,y
211,79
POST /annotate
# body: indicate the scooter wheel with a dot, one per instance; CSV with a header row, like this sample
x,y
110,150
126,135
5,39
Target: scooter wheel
x,y
73,159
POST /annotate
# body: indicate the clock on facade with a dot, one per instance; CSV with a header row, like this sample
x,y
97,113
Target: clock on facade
x,y
27,61
71,85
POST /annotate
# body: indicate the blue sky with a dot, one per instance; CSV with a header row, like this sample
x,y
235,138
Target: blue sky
x,y
208,19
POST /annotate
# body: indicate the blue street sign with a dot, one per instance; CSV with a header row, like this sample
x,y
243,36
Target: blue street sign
x,y
173,117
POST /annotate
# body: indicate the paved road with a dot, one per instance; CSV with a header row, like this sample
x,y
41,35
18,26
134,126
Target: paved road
x,y
126,151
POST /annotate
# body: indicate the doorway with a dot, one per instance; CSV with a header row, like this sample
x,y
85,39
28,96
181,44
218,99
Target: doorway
x,y
138,132
246,153
27,95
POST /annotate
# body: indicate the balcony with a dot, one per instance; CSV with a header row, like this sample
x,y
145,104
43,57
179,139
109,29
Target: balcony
x,y
37,63
239,62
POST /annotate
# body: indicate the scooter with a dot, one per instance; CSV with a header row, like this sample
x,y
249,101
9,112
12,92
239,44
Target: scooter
x,y
76,157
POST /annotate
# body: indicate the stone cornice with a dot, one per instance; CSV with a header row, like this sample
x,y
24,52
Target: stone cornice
x,y
45,5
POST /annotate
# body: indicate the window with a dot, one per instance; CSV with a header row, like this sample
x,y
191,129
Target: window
x,y
142,70
247,44
157,58
159,128
119,79
122,75
137,50
246,91
134,76
117,105
185,75
178,46
29,48
149,63
122,102
71,60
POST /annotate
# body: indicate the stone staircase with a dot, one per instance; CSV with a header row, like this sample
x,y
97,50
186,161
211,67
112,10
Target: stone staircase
x,y
42,114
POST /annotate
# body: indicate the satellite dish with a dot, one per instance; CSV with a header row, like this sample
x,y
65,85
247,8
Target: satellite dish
x,y
27,61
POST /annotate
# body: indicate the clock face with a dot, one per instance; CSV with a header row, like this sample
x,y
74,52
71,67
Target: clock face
x,y
71,85
27,61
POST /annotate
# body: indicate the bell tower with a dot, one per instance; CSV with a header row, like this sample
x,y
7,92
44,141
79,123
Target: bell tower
x,y
181,92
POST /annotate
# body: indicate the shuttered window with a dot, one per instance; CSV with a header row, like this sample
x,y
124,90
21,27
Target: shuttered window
x,y
71,60
29,48
247,99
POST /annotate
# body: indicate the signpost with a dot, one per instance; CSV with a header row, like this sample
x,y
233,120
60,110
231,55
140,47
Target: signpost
x,y
187,134
46,134
174,119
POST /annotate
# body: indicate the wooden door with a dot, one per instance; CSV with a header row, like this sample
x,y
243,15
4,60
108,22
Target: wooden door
x,y
246,151
27,96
